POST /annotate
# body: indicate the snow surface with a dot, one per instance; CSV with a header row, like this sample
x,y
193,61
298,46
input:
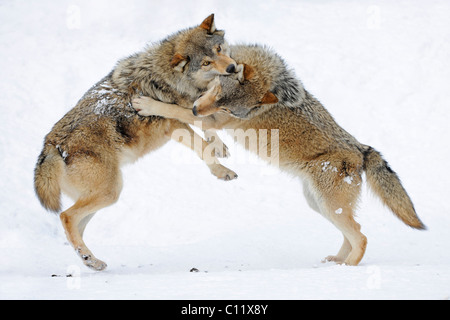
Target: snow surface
x,y
380,67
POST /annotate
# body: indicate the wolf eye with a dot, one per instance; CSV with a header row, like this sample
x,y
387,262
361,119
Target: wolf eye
x,y
206,63
219,49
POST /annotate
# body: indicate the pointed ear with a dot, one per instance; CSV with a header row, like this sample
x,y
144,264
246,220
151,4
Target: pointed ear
x,y
245,72
179,62
269,98
208,24
248,72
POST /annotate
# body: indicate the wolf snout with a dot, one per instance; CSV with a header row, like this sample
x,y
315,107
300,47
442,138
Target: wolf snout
x,y
195,111
231,68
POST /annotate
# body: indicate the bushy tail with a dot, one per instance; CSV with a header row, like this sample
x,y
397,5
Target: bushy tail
x,y
46,178
385,183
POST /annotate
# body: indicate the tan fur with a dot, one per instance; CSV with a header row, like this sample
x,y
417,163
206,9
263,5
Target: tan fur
x,y
311,144
386,185
208,24
204,105
269,98
84,151
47,184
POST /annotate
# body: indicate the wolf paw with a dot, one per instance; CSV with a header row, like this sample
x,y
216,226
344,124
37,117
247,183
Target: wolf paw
x,y
223,173
93,263
144,106
335,259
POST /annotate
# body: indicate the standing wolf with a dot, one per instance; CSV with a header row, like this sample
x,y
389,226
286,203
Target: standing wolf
x,y
264,94
83,152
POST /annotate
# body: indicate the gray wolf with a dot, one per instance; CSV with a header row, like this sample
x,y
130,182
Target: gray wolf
x,y
265,94
84,151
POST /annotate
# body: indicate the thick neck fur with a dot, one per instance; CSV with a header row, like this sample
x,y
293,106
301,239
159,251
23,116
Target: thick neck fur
x,y
150,73
272,69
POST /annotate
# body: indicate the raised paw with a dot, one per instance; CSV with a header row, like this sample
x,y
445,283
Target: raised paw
x,y
143,105
223,173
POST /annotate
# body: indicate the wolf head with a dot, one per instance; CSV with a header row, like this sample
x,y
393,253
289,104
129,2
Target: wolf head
x,y
201,53
237,95
262,78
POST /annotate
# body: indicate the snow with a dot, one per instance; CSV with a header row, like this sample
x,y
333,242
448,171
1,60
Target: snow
x,y
348,179
380,67
325,165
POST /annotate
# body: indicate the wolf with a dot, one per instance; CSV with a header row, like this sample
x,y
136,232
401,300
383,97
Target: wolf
x,y
265,94
84,151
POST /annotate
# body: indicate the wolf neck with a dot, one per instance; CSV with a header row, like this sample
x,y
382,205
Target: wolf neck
x,y
149,73
288,89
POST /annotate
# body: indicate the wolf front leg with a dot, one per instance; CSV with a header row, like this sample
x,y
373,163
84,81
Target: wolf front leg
x,y
220,148
147,106
183,133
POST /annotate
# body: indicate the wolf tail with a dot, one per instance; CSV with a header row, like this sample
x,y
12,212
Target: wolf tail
x,y
385,183
49,168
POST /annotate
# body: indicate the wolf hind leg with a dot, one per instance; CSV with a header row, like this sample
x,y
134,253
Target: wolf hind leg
x,y
83,223
98,186
313,202
74,221
355,242
310,197
343,253
339,209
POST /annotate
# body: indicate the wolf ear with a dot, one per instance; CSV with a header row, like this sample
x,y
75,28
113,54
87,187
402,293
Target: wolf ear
x,y
179,62
245,72
248,72
269,98
208,24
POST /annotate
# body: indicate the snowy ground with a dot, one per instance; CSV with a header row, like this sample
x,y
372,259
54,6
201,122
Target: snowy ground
x,y
380,67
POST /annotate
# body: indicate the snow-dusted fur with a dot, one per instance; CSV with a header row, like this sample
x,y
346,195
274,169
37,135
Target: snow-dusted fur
x,y
84,151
